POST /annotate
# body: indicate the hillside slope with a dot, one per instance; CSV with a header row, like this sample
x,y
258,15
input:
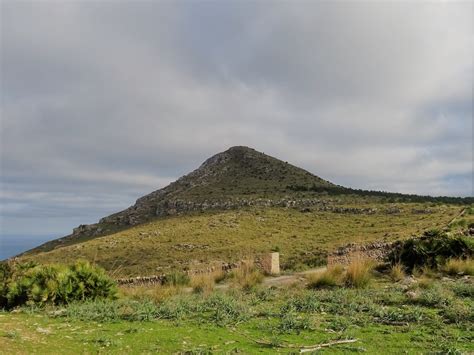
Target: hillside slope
x,y
302,236
243,202
232,179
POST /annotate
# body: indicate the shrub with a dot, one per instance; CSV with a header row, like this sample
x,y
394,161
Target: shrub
x,y
94,310
359,273
176,279
459,267
53,284
434,297
291,322
246,277
331,277
308,302
414,314
85,281
225,309
203,283
174,309
425,283
463,289
397,272
156,293
457,312
431,250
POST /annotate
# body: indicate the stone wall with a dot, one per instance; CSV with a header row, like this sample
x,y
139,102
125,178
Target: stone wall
x,y
377,251
267,263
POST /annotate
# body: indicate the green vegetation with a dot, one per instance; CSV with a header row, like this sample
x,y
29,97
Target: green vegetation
x,y
389,196
359,273
330,277
383,315
198,240
248,204
397,272
459,267
31,284
432,250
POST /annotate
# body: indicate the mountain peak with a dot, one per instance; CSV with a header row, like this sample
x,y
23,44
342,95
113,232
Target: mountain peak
x,y
236,153
235,177
238,173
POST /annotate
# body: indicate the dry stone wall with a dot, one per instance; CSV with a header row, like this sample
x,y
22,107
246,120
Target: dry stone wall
x,y
267,263
377,251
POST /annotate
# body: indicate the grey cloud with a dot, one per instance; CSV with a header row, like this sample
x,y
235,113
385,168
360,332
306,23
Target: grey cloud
x,y
103,102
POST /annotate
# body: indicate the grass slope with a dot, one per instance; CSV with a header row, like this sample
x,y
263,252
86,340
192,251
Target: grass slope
x,y
189,240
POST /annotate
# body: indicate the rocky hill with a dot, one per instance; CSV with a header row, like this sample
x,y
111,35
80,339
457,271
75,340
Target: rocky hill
x,y
239,176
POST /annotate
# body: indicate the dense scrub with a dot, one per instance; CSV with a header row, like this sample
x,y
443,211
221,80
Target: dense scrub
x,y
390,196
29,284
431,250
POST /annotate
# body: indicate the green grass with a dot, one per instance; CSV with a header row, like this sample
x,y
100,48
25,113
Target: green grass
x,y
381,317
179,242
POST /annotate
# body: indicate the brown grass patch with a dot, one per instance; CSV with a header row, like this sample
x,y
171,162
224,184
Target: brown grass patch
x,y
359,273
397,272
459,267
331,277
246,276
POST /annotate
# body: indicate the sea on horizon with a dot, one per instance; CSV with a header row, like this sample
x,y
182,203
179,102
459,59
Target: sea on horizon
x,y
11,245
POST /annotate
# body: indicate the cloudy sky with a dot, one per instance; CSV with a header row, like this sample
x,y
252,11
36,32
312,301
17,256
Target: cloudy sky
x,y
104,101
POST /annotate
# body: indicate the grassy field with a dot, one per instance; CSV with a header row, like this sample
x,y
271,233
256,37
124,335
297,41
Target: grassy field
x,y
384,318
200,239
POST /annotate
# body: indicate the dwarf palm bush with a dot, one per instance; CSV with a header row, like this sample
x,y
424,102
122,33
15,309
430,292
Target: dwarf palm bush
x,y
53,284
431,250
85,281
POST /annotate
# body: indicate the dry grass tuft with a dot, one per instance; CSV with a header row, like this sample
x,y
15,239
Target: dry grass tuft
x,y
459,267
247,276
332,276
203,283
425,282
397,272
156,293
359,273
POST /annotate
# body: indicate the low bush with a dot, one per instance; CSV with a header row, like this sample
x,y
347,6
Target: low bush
x,y
306,302
291,322
331,277
94,310
203,283
155,293
458,312
431,250
28,284
411,315
397,272
246,277
459,267
434,296
176,279
225,309
359,273
463,289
